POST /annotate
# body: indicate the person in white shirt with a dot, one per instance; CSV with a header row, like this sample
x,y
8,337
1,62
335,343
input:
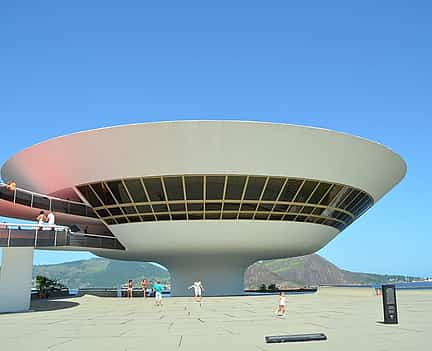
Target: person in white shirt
x,y
282,303
198,289
51,219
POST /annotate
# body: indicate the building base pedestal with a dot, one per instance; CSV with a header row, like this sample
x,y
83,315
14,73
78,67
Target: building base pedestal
x,y
219,276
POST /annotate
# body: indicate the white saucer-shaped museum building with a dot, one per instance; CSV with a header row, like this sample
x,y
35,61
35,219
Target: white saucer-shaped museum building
x,y
208,198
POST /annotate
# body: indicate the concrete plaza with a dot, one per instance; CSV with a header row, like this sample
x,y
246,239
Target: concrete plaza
x,y
350,317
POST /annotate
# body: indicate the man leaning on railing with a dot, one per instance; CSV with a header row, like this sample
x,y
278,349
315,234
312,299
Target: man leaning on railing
x,y
11,185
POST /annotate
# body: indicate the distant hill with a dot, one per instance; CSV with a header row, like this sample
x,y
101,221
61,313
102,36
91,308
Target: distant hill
x,y
308,270
101,272
294,272
285,273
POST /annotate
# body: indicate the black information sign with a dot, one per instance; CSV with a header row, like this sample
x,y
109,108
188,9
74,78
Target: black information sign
x,y
389,304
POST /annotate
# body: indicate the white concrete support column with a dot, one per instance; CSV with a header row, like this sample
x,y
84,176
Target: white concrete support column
x,y
16,279
219,275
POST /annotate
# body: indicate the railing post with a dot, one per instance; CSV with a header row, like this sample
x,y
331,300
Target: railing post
x,y
9,234
55,237
35,241
31,201
14,197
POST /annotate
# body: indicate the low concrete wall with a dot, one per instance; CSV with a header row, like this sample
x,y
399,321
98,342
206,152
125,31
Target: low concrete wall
x,y
108,292
346,291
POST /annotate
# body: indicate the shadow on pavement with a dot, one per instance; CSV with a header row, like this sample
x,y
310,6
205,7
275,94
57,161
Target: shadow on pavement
x,y
51,305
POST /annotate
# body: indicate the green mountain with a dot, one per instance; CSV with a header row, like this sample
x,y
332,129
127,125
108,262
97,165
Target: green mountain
x,y
101,272
285,273
309,270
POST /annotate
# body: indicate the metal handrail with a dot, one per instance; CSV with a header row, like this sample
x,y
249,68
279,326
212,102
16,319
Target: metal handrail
x,y
43,195
86,210
49,227
34,226
69,237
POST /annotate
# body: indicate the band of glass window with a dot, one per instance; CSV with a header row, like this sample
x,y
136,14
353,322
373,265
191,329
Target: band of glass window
x,y
194,197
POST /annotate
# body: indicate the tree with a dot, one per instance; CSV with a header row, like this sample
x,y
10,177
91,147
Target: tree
x,y
272,287
46,286
262,288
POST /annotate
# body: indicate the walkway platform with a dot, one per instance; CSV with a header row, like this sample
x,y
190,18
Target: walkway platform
x,y
351,319
45,237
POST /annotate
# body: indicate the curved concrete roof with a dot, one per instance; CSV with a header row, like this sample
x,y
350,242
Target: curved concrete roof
x,y
205,147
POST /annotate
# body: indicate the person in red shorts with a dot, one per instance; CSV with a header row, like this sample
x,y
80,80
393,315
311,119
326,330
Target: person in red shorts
x,y
129,289
144,287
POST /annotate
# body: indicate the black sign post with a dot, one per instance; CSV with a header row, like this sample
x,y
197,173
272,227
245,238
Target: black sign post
x,y
389,304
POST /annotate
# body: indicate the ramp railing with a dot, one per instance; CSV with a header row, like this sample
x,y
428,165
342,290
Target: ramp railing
x,y
43,202
44,236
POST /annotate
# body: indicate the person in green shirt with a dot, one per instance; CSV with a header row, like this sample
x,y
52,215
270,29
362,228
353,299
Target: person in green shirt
x,y
158,293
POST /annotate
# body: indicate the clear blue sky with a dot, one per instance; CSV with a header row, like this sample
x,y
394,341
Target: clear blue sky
x,y
358,67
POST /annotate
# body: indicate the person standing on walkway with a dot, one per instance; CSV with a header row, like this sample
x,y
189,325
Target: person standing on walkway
x,y
158,293
41,219
51,219
144,287
129,289
198,289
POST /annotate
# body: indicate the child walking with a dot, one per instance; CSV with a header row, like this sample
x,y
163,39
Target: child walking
x,y
282,303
